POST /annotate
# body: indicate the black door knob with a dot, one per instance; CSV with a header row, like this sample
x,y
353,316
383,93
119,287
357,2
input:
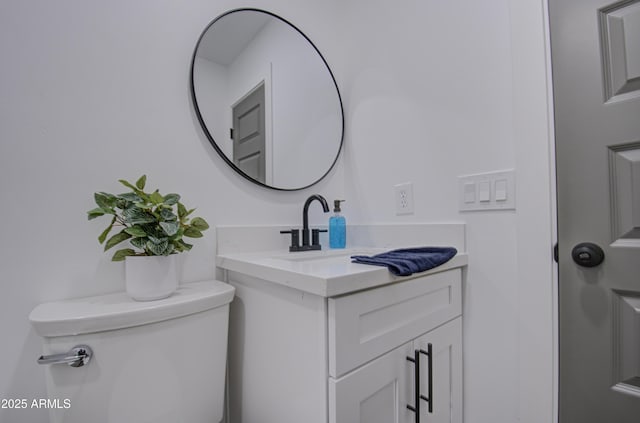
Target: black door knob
x,y
587,254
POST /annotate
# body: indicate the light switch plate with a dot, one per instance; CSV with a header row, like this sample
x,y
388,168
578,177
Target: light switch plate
x,y
492,191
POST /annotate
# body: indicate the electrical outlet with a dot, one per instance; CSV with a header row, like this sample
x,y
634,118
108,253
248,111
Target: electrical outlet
x,y
404,198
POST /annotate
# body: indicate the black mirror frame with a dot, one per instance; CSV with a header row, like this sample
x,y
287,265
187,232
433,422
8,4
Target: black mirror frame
x,y
210,136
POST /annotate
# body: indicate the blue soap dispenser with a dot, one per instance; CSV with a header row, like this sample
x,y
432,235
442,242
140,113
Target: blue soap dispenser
x,y
337,227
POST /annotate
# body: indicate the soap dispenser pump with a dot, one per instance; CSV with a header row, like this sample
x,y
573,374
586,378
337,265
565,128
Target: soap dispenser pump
x,y
337,227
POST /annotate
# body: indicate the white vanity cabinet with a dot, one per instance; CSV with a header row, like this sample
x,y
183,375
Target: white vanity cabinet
x,y
376,340
298,357
381,391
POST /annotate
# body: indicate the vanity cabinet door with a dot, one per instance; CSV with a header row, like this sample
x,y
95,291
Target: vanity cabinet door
x,y
446,379
377,392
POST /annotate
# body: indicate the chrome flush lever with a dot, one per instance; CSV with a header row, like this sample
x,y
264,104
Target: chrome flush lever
x,y
78,356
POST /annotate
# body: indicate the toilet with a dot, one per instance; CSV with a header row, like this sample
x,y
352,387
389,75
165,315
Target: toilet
x,y
110,359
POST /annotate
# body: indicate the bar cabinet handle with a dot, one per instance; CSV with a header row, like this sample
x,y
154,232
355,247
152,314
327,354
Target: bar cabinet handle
x,y
429,399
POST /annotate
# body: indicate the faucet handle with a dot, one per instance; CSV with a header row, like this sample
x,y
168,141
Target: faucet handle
x,y
315,236
295,239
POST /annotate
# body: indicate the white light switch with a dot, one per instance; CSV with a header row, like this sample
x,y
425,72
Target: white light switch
x,y
501,190
484,191
470,192
487,191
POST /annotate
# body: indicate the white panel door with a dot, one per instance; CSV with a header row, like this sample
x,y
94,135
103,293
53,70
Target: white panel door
x,y
375,392
443,403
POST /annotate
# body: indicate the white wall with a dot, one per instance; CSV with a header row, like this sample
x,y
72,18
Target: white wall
x,y
305,145
210,80
434,90
431,100
94,92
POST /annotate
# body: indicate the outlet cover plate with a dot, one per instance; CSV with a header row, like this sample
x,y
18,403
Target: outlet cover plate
x,y
404,198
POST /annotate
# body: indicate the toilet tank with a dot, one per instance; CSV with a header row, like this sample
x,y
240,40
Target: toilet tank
x,y
160,361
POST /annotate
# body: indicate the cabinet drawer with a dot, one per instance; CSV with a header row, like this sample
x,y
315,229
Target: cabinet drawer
x,y
365,325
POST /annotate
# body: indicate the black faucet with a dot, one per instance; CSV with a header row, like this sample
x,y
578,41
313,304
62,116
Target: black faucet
x,y
315,233
305,221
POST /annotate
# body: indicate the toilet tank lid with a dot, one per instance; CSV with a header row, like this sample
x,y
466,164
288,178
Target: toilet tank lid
x,y
116,311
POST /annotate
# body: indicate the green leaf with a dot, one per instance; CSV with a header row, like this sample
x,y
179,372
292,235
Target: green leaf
x,y
182,246
97,212
157,239
140,183
136,231
170,228
122,204
182,211
121,254
177,235
156,197
192,233
171,199
158,248
104,233
143,196
139,242
200,224
127,184
130,197
104,199
168,215
135,216
116,239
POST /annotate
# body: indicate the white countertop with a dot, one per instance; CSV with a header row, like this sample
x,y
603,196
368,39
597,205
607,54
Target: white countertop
x,y
326,273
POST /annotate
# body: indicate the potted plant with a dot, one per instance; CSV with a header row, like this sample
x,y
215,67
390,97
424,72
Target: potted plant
x,y
154,226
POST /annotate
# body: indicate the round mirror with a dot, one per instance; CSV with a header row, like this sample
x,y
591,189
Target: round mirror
x,y
267,99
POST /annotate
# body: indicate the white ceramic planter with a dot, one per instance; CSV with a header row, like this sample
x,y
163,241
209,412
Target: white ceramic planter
x,y
150,277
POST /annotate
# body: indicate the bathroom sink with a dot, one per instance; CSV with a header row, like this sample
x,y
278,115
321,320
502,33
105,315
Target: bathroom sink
x,y
326,255
261,254
326,273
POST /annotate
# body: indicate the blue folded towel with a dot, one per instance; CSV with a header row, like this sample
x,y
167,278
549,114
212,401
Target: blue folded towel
x,y
406,261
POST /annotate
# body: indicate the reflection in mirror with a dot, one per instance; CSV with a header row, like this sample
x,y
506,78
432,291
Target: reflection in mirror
x,y
267,99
